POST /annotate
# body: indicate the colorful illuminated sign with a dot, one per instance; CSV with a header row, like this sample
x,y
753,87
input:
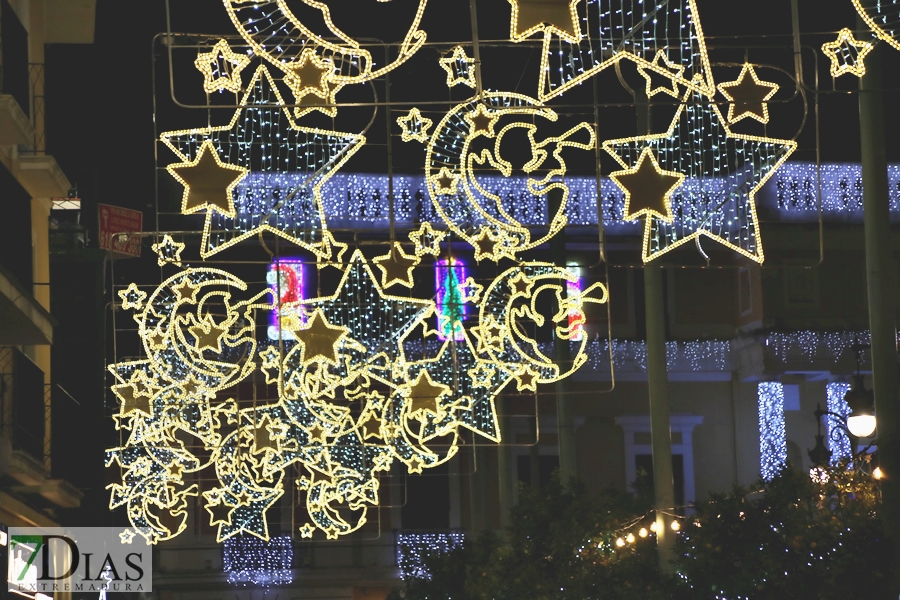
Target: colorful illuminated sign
x,y
285,279
449,274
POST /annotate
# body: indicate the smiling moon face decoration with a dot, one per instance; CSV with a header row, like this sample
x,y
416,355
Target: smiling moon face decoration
x,y
470,178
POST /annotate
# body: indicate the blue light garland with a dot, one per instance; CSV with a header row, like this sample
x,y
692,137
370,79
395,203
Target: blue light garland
x,y
249,560
838,442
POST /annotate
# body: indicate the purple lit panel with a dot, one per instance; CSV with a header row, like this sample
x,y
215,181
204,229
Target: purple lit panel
x,y
285,279
449,275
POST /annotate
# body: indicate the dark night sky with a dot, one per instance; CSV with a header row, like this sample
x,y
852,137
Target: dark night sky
x,y
102,134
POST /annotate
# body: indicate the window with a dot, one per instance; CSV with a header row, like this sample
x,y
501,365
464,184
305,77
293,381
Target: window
x,y
639,452
449,275
285,279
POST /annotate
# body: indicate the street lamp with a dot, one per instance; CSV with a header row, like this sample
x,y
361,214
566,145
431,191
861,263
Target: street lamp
x,y
861,402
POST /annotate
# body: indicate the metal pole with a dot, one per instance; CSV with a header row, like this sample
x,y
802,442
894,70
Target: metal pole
x,y
657,378
565,417
880,268
476,45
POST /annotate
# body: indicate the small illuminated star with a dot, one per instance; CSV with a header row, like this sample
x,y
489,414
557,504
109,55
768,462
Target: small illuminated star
x,y
316,433
648,189
127,536
445,182
370,427
307,530
658,81
415,465
186,291
482,375
397,267
132,297
132,399
527,379
168,251
175,470
425,394
482,122
486,245
460,68
521,285
208,335
748,96
414,127
427,239
310,74
847,54
221,68
219,513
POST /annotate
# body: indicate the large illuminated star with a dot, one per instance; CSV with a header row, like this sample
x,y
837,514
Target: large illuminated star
x,y
580,42
379,322
723,172
248,140
558,17
648,189
320,339
208,182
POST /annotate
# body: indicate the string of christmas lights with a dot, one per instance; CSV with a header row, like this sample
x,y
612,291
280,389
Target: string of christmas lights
x,y
250,561
414,547
772,436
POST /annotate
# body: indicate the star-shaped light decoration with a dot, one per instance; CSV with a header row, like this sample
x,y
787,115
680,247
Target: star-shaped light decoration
x,y
168,251
487,245
748,96
306,160
527,379
425,395
427,239
320,339
221,68
307,530
847,54
414,127
674,25
648,189
133,398
482,121
460,68
309,74
127,536
132,297
219,513
208,182
186,291
445,181
549,17
660,74
208,335
397,267
722,172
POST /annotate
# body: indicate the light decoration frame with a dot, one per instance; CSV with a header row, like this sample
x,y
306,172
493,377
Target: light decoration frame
x,y
260,21
287,281
241,138
772,435
696,119
847,54
469,208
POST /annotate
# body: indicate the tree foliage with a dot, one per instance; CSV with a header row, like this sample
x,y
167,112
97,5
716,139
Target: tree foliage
x,y
791,538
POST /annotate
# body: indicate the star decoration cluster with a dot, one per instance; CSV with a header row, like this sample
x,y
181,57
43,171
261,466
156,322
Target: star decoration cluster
x,y
367,377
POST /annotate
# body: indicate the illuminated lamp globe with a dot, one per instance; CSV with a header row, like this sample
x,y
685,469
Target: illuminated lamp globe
x,y
861,402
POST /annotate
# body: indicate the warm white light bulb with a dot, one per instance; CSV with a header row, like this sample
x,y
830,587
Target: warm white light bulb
x,y
861,426
643,532
620,542
676,525
630,538
878,473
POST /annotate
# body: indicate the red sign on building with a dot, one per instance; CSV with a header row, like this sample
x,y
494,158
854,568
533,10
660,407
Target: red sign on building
x,y
115,223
